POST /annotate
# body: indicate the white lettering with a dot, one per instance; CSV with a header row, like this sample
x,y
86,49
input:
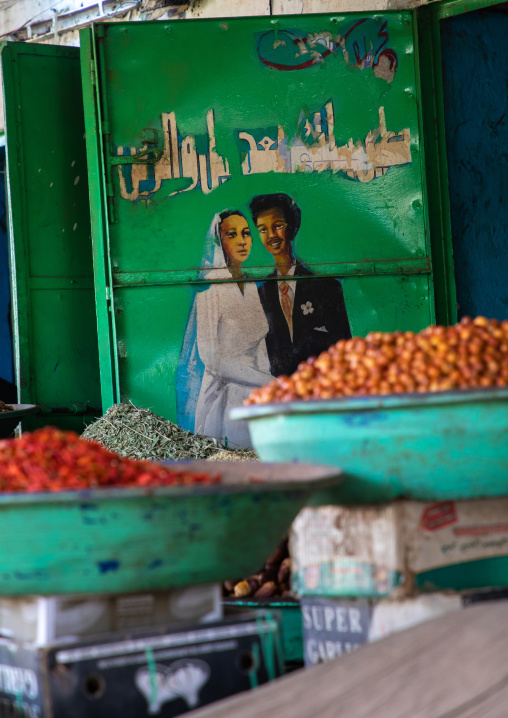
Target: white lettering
x,y
315,616
363,161
329,616
307,618
18,681
208,171
322,652
340,613
312,651
330,650
354,620
5,679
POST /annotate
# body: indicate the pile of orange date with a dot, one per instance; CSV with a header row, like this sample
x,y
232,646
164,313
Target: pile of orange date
x,y
470,355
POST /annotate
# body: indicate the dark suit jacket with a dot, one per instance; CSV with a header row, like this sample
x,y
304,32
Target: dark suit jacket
x,y
322,323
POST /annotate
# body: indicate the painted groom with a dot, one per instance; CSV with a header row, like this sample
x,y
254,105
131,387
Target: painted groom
x,y
306,315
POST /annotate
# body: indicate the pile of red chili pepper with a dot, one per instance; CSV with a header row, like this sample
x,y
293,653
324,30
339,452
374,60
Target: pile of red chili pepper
x,y
52,460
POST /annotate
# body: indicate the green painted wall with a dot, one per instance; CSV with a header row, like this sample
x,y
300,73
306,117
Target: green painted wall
x,y
371,234
54,312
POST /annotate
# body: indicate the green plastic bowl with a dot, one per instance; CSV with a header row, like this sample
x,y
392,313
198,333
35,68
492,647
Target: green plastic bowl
x,y
126,540
429,447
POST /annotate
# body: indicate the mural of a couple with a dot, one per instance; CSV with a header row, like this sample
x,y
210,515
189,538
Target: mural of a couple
x,y
241,334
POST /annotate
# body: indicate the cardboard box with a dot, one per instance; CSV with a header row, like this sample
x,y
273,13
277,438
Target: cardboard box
x,y
338,551
400,548
333,627
46,619
159,674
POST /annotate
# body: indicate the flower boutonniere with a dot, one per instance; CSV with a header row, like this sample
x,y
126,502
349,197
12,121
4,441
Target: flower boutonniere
x,y
307,308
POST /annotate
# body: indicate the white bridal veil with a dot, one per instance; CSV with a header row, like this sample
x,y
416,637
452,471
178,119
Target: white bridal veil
x,y
190,370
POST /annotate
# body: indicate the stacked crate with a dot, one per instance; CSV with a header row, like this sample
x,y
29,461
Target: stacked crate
x,y
130,655
366,571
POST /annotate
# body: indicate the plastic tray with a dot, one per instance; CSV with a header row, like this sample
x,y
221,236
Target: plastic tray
x,y
126,540
447,445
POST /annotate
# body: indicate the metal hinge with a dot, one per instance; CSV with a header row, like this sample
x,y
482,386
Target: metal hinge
x,y
110,198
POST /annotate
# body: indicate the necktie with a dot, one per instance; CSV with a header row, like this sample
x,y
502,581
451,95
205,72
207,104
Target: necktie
x,y
287,305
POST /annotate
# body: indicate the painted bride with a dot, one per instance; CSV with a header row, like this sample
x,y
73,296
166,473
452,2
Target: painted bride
x,y
224,353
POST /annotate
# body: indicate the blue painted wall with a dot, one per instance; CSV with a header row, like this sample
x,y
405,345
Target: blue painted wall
x,y
6,363
475,77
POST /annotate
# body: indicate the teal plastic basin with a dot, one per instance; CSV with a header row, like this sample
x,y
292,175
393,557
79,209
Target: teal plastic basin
x,y
127,540
447,445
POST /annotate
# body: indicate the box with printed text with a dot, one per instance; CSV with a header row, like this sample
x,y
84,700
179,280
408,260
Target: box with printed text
x,y
333,627
401,548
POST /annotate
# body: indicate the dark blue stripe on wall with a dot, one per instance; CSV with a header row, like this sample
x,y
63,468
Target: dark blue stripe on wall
x,y
6,364
475,79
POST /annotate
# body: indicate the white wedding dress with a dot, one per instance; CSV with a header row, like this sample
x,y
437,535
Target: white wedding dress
x,y
231,331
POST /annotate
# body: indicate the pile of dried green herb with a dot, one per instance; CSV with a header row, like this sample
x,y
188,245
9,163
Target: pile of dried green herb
x,y
234,455
139,434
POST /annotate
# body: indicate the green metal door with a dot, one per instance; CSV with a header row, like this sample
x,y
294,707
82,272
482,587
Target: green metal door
x,y
186,120
50,240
